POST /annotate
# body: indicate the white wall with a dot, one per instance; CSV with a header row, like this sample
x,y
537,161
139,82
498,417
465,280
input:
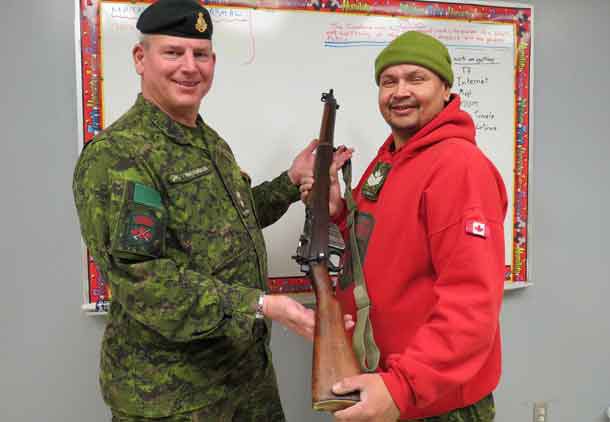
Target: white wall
x,y
556,333
48,350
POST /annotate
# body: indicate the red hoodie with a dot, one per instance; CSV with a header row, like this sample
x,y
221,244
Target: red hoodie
x,y
433,247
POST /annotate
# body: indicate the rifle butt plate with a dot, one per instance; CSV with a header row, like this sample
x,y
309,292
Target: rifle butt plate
x,y
336,404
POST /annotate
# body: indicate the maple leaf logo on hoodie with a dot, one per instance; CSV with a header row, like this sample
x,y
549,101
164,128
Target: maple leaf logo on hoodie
x,y
375,178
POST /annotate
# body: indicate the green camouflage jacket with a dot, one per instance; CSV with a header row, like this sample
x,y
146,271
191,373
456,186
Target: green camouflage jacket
x,y
175,228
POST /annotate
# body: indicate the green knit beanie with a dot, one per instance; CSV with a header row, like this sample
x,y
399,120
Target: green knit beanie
x,y
416,48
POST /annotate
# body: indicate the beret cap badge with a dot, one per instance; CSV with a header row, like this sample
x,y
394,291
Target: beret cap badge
x,y
178,18
201,26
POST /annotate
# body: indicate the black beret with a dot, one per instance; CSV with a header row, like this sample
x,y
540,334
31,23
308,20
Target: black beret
x,y
180,18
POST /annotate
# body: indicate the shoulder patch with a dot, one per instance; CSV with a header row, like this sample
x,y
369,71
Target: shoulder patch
x,y
145,195
476,228
141,225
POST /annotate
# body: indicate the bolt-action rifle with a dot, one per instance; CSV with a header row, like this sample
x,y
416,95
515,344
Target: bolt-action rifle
x,y
333,357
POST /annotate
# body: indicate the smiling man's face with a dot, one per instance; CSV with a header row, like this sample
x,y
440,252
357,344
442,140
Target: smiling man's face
x,y
176,73
409,97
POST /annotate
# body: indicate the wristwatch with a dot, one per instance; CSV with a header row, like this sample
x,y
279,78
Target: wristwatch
x,y
259,307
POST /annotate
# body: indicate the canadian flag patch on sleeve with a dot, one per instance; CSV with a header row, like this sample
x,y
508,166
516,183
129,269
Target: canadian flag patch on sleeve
x,y
476,228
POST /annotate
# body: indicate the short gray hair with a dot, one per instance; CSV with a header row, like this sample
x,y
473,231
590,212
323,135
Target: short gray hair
x,y
144,39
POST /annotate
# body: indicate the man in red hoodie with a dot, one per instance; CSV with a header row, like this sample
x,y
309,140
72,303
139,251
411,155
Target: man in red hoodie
x,y
429,229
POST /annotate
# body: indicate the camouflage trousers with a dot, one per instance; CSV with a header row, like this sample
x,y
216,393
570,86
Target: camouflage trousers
x,y
482,411
257,401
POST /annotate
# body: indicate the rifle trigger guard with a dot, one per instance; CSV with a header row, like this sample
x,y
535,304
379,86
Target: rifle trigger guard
x,y
334,256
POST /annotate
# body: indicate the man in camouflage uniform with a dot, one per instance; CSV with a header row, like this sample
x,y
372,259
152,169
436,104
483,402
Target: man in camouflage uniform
x,y
173,224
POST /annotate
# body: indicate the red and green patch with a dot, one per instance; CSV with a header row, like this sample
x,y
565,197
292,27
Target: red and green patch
x,y
142,223
142,227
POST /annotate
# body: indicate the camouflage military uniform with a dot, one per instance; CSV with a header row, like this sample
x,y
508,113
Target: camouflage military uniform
x,y
482,411
174,226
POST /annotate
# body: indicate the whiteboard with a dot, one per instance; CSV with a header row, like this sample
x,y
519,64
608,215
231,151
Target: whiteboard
x,y
273,64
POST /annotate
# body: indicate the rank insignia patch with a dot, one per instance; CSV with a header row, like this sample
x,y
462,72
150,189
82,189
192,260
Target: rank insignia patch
x,y
375,181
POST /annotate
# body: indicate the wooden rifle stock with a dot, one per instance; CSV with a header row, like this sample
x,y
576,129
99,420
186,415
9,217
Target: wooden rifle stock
x,y
333,356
